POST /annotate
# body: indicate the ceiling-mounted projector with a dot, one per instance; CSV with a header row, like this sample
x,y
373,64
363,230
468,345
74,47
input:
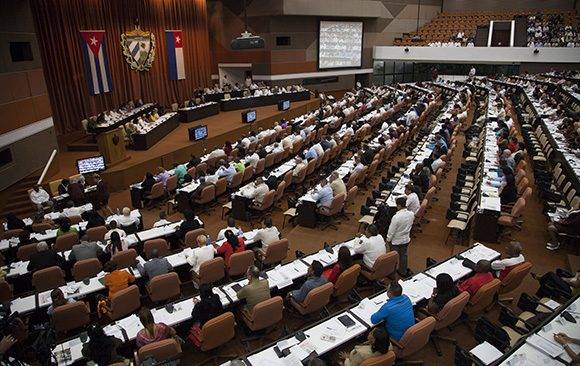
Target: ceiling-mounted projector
x,y
247,41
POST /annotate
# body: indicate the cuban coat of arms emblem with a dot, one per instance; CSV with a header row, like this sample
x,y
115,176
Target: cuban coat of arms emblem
x,y
139,48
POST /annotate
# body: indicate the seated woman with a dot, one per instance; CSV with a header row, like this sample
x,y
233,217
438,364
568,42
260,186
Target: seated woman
x,y
116,279
232,245
344,262
65,227
208,307
152,332
117,244
378,344
101,348
445,291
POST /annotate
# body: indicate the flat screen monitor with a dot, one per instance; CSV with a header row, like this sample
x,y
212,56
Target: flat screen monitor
x,y
249,116
283,105
198,133
91,165
339,44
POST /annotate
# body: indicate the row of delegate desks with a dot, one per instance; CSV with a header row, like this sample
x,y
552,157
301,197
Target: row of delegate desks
x,y
252,101
139,111
190,114
144,141
281,279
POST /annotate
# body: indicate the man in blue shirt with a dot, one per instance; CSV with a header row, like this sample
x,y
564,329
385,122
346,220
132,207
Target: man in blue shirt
x,y
323,195
315,279
226,170
310,153
397,312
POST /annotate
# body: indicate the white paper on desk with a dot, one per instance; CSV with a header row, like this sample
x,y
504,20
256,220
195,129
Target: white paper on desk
x,y
548,347
287,343
552,304
299,352
486,353
291,360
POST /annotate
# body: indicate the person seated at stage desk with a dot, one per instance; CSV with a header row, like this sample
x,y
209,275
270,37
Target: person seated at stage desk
x,y
147,184
225,170
113,228
358,165
337,184
116,279
85,250
371,246
258,191
231,226
344,263
323,195
268,234
116,244
190,223
233,244
481,277
63,186
315,279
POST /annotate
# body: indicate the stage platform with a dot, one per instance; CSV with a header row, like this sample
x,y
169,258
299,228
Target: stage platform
x,y
176,147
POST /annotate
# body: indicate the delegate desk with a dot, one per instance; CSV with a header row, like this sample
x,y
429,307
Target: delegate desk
x,y
144,141
91,196
108,126
190,114
252,102
216,97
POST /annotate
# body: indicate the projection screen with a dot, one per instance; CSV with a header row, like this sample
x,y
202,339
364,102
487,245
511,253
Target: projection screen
x,y
340,44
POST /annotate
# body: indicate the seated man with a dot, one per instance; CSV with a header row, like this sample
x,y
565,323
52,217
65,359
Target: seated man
x,y
370,246
190,223
397,312
337,184
256,291
315,279
514,258
323,195
58,299
259,191
85,250
226,170
203,253
155,266
267,234
300,165
481,277
43,258
567,226
231,226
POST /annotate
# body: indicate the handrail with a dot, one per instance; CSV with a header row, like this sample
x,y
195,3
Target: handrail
x,y
48,163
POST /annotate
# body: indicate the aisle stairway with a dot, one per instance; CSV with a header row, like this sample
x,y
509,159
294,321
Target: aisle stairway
x,y
15,198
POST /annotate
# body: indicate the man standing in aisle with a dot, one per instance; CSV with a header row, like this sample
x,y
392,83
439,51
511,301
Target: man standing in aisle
x,y
399,232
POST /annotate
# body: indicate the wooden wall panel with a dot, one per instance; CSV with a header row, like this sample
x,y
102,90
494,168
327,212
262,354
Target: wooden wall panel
x,y
41,107
16,114
36,82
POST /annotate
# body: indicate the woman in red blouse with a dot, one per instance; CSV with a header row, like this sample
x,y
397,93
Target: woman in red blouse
x,y
228,148
232,245
344,262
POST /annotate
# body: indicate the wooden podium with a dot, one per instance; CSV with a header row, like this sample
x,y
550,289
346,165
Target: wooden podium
x,y
112,146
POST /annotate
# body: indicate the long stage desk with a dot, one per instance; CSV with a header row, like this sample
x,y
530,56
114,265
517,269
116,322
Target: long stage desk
x,y
139,111
216,97
251,102
195,113
145,140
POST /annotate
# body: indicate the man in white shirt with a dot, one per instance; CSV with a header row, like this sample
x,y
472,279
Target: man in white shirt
x,y
253,159
268,234
259,191
198,256
231,226
437,163
412,204
40,197
113,228
399,232
370,246
300,164
216,153
126,219
323,196
358,166
514,258
226,170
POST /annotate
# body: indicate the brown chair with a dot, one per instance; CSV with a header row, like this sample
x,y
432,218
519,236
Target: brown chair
x,y
265,314
171,184
161,351
159,244
236,180
316,300
267,202
97,233
514,279
48,278
125,258
71,316
346,281
215,333
275,253
450,313
335,208
190,239
248,173
511,219
260,166
414,338
384,266
14,233
221,186
207,195
65,242
388,359
75,219
124,302
6,293
483,299
24,252
349,201
41,227
86,268
239,263
201,168
157,191
210,272
164,287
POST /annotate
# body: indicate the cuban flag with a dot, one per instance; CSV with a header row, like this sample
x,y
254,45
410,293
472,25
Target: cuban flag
x,y
175,54
97,70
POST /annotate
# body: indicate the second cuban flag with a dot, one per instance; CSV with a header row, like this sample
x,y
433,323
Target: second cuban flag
x,y
175,54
